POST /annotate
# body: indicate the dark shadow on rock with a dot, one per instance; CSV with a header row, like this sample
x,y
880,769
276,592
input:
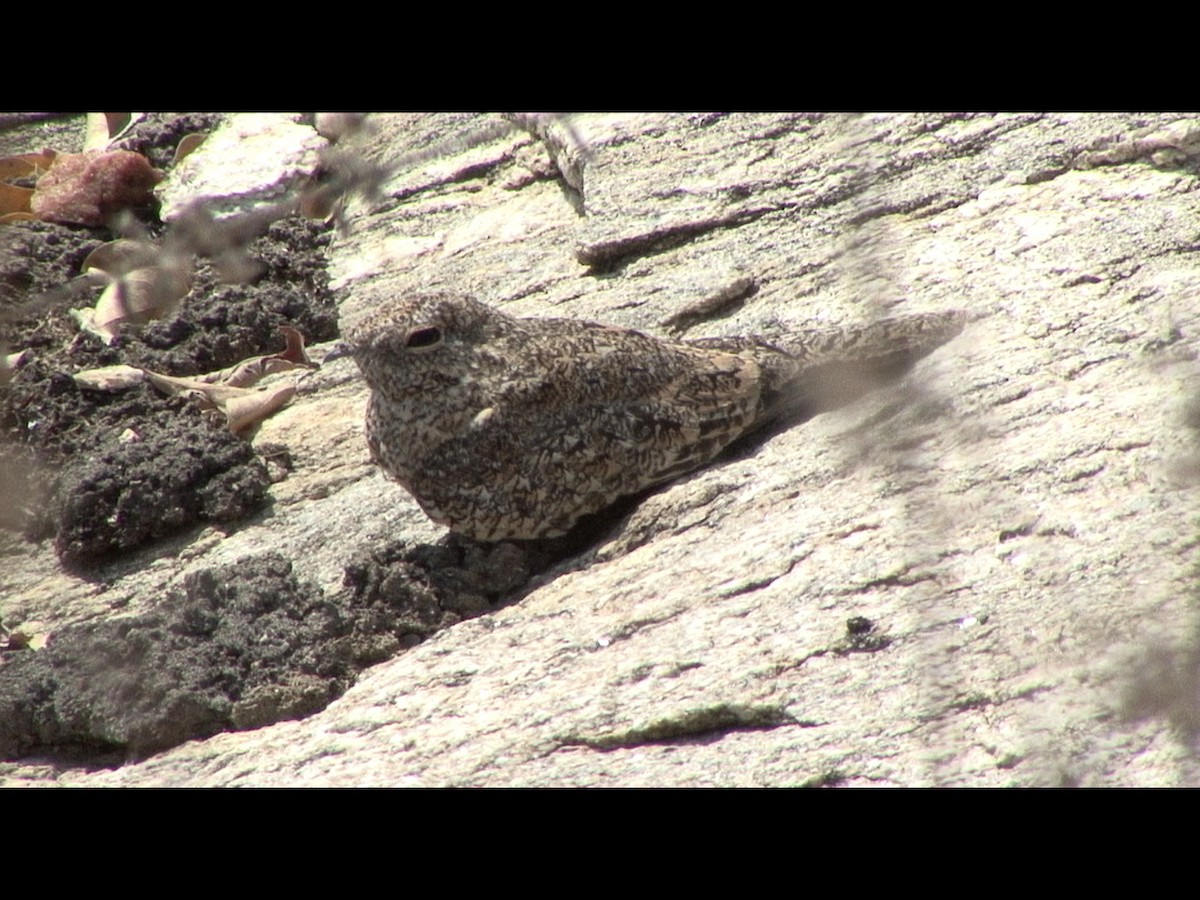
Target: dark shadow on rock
x,y
245,645
419,589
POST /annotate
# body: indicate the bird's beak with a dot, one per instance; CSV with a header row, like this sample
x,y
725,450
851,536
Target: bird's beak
x,y
340,351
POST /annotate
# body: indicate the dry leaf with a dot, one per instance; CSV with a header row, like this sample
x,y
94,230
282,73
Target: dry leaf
x,y
187,144
120,123
14,199
173,386
104,128
242,407
9,362
120,304
251,408
95,136
145,283
26,164
294,351
251,371
18,217
115,258
138,297
110,378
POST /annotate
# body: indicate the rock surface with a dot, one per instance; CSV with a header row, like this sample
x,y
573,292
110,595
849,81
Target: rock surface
x,y
984,575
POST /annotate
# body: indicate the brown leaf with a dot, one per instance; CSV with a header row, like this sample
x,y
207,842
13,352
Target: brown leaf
x,y
250,409
109,378
139,297
187,144
103,128
294,351
251,371
173,386
145,283
9,362
18,217
14,199
95,136
116,258
243,408
25,164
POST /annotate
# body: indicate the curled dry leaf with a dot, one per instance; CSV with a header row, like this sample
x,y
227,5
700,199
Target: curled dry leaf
x,y
115,258
109,378
145,283
226,390
139,297
26,164
242,407
187,144
104,128
247,410
95,135
294,351
172,385
120,123
14,199
11,361
251,371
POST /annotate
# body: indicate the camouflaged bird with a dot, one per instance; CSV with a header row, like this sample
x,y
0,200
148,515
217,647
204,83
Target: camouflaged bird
x,y
512,428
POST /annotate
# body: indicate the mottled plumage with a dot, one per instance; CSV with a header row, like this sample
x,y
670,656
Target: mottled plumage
x,y
504,427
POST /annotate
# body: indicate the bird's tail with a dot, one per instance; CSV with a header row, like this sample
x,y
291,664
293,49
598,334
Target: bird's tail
x,y
814,371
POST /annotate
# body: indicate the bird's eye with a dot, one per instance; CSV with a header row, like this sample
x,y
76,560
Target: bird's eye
x,y
424,337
